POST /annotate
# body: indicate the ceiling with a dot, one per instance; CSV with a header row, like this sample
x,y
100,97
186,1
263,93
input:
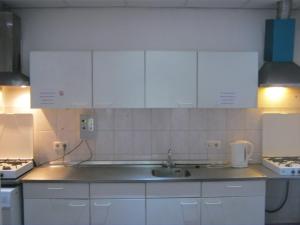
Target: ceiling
x,y
244,4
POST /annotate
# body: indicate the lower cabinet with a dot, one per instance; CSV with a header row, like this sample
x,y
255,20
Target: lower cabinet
x,y
173,211
56,212
156,203
118,212
233,211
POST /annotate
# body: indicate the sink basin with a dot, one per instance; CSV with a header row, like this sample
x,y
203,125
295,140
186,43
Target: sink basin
x,y
170,172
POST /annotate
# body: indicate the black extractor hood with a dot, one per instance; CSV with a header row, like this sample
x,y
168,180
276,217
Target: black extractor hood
x,y
279,68
10,45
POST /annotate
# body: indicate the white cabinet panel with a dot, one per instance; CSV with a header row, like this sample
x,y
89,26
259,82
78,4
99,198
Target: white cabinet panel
x,y
171,79
55,190
56,212
61,79
173,189
233,211
119,79
117,190
233,188
118,212
173,211
227,79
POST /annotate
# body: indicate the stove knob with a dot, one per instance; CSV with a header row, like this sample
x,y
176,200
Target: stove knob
x,y
293,171
298,171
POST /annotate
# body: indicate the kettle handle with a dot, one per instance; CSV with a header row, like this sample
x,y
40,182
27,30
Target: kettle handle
x,y
249,150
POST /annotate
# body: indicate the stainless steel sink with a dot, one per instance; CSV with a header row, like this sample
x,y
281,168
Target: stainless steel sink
x,y
170,172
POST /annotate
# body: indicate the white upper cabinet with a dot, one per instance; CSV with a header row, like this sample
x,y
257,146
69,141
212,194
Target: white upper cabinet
x,y
227,79
61,79
119,79
171,79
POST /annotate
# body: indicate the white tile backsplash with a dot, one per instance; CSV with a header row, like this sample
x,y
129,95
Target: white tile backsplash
x,y
142,143
253,119
123,119
123,142
180,119
198,119
105,142
161,119
141,119
216,119
180,142
197,142
105,119
66,119
236,119
161,142
46,119
145,134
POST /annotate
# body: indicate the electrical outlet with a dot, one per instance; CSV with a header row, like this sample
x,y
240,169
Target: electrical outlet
x,y
59,147
213,145
87,127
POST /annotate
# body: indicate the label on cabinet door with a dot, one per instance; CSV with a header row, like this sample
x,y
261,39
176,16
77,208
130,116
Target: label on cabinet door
x,y
48,97
227,98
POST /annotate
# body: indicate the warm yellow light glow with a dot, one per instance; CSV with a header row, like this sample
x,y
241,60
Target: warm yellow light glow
x,y
22,100
275,94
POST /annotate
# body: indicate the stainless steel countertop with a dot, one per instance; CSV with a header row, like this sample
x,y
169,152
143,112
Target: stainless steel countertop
x,y
135,173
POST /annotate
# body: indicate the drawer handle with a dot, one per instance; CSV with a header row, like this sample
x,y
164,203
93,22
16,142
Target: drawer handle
x,y
77,205
102,205
55,188
234,186
213,203
188,203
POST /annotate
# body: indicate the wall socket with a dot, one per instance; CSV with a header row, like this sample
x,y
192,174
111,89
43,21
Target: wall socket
x,y
60,147
213,145
87,127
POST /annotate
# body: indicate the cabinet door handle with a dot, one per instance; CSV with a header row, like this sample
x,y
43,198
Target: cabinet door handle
x,y
234,186
213,203
55,188
190,212
77,205
102,204
188,203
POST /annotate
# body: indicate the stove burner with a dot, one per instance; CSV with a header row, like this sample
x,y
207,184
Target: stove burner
x,y
283,165
285,160
13,168
6,168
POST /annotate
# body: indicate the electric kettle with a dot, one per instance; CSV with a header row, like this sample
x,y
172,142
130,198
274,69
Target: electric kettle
x,y
241,151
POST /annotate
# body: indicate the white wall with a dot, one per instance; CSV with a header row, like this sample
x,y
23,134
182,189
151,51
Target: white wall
x,y
116,28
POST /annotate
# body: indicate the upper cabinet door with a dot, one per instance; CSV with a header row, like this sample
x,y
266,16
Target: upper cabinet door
x,y
227,79
171,79
61,79
119,79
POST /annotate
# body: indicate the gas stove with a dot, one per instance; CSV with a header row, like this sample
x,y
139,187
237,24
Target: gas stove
x,y
14,168
283,165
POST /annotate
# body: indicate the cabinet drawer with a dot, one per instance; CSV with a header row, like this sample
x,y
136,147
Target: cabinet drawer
x,y
173,189
233,188
118,190
56,190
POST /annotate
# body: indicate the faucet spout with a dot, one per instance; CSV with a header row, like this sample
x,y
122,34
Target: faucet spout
x,y
170,162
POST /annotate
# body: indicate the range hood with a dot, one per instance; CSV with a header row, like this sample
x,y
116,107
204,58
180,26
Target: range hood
x,y
10,44
279,68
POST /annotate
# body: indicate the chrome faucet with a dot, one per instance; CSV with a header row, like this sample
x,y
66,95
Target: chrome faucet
x,y
170,163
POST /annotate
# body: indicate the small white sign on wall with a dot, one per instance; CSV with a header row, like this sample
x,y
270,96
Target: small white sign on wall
x,y
227,98
49,97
